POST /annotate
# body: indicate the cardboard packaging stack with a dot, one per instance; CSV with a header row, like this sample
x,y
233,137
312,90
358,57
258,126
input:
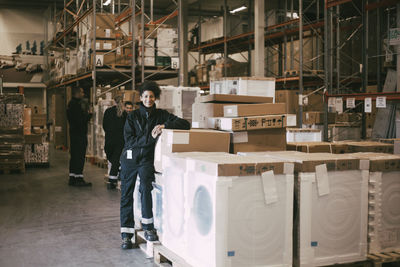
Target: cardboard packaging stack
x,y
36,148
228,210
11,132
178,100
383,205
331,192
255,123
249,86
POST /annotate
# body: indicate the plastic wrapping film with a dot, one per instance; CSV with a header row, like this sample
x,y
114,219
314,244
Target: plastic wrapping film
x,y
333,226
384,222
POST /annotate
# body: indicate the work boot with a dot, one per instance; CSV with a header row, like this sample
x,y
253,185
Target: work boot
x,y
71,181
80,182
150,235
112,184
126,243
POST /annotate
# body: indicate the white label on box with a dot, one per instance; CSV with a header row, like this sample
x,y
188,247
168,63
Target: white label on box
x,y
178,138
97,45
332,102
300,99
108,33
107,46
190,165
368,105
350,102
231,111
291,120
381,102
99,60
269,186
364,164
288,168
57,129
118,50
394,36
240,137
175,63
195,124
321,174
339,105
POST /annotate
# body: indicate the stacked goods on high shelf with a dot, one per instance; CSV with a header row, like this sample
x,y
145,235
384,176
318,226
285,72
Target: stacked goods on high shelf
x,y
160,46
58,121
250,86
383,204
36,149
254,122
178,100
12,133
213,28
331,216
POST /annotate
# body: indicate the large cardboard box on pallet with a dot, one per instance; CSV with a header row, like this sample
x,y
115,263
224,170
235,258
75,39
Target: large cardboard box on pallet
x,y
370,146
310,147
260,140
38,120
202,111
290,97
384,189
211,193
172,141
332,207
59,118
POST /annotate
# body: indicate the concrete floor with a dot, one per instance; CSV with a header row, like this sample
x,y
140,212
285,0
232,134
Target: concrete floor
x,y
45,222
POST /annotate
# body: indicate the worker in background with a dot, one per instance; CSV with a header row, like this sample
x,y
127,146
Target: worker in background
x,y
142,128
113,125
78,117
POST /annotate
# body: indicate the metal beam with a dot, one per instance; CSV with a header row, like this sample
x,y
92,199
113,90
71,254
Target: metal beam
x,y
259,51
183,43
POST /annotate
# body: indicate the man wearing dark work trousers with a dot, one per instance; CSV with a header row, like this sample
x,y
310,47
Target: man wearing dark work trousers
x,y
78,118
142,128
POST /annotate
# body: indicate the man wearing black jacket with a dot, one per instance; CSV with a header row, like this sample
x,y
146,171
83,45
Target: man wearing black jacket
x,y
113,125
78,118
142,128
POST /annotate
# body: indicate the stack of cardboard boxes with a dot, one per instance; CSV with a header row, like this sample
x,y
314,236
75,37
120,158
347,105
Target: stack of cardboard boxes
x,y
255,123
11,132
36,149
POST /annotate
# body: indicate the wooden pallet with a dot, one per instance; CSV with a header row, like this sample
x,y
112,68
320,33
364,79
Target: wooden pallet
x,y
165,257
90,159
377,259
101,163
146,246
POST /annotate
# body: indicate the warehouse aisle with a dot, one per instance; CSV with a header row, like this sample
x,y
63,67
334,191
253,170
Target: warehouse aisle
x,y
44,222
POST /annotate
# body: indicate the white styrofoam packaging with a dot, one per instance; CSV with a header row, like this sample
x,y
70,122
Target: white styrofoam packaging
x,y
384,199
250,86
233,217
332,199
167,52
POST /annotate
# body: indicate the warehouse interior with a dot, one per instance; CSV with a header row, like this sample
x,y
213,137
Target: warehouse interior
x,y
292,159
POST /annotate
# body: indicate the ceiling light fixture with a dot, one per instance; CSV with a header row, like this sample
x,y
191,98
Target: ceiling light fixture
x,y
238,9
106,3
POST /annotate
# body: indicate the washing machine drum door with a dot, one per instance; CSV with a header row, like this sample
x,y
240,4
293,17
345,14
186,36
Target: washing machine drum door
x,y
203,210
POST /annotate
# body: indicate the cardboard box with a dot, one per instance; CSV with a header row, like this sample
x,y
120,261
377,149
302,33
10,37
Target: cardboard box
x,y
131,95
340,148
380,162
370,146
38,120
290,97
35,138
105,44
202,111
316,117
260,140
310,147
233,99
105,20
348,117
172,141
251,123
242,110
313,102
27,120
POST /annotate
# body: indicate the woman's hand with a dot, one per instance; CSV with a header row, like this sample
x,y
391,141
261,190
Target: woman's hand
x,y
157,130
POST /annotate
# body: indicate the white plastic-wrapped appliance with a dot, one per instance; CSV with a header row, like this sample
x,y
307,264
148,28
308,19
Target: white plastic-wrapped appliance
x,y
332,198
